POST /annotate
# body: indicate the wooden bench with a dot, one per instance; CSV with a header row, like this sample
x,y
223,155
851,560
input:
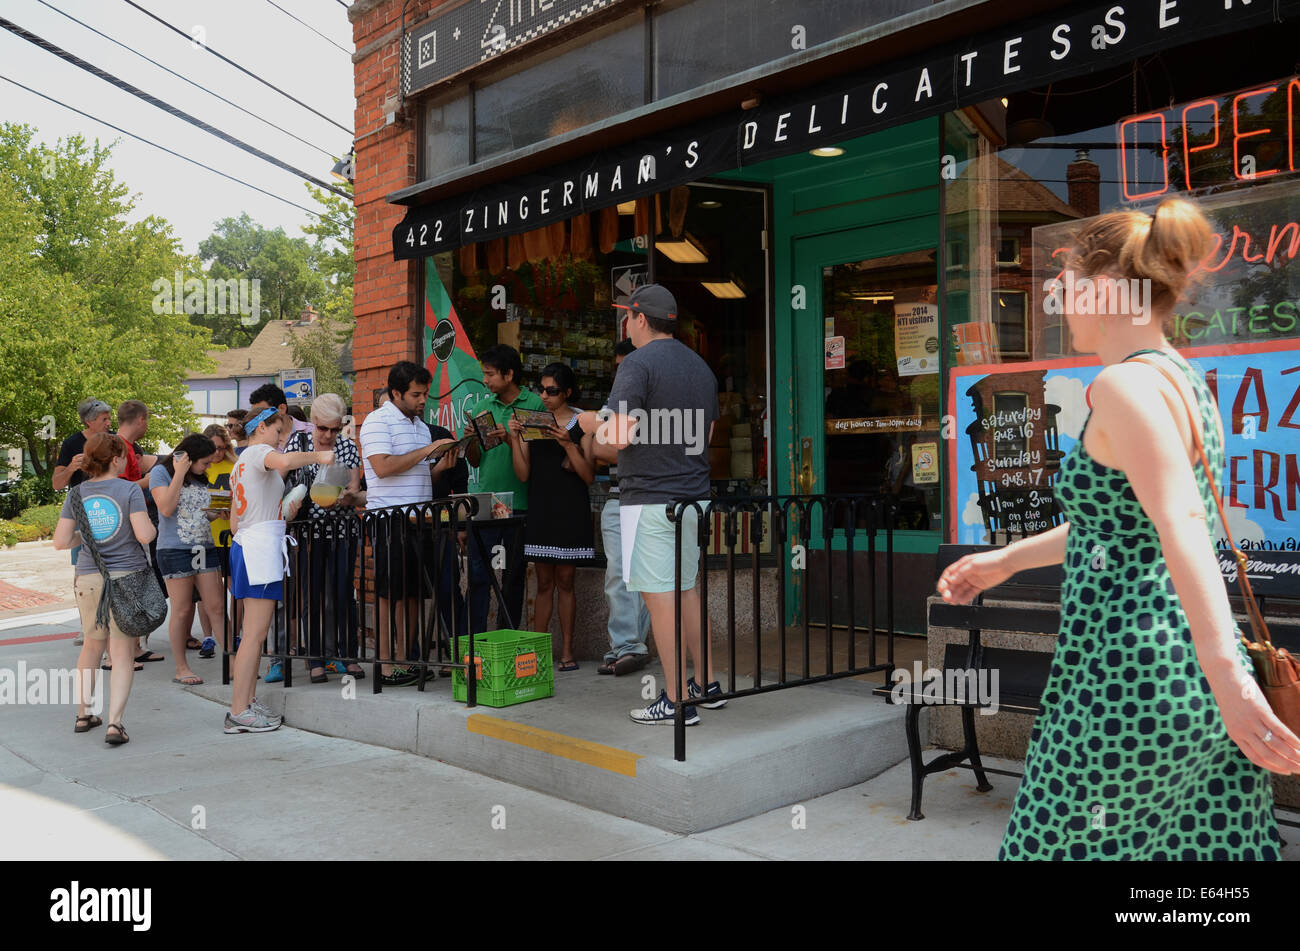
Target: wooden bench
x,y
1022,675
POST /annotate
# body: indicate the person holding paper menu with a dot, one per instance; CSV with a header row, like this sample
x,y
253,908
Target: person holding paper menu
x,y
503,373
558,536
660,418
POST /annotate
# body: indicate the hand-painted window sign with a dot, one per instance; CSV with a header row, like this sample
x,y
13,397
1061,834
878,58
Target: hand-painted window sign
x,y
475,32
1018,56
1245,136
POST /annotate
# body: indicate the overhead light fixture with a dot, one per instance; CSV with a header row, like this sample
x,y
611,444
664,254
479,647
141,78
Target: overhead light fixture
x,y
627,207
684,251
710,204
345,169
753,102
724,290
874,298
1004,102
829,151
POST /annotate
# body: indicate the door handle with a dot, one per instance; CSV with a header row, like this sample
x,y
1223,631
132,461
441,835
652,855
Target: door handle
x,y
806,478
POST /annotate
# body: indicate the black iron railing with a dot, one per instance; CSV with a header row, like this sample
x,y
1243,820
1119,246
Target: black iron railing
x,y
843,526
344,565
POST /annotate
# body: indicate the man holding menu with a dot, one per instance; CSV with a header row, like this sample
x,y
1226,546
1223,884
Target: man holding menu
x,y
503,375
664,397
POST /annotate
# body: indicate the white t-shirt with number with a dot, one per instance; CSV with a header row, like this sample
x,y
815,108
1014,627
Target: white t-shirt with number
x,y
255,490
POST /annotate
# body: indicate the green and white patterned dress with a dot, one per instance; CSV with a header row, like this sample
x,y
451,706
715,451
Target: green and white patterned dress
x,y
1129,758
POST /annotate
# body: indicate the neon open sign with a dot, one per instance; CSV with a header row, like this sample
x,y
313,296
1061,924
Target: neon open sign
x,y
1243,136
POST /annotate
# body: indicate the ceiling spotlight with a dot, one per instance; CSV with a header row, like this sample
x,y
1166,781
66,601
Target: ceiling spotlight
x,y
710,204
829,151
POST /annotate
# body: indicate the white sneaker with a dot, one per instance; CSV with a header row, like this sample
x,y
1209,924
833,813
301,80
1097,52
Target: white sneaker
x,y
250,722
663,712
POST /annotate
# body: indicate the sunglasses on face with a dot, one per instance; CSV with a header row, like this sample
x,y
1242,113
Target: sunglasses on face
x,y
328,429
550,390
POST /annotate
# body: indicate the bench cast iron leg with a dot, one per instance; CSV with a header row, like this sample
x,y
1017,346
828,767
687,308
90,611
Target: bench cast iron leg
x,y
912,726
973,748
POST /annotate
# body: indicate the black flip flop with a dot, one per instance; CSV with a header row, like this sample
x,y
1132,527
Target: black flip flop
x,y
321,678
138,666
148,657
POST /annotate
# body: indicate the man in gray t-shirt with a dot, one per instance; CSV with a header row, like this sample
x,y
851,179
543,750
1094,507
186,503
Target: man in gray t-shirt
x,y
660,418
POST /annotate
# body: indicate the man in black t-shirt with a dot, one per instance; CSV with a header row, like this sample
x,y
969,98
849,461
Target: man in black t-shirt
x,y
96,417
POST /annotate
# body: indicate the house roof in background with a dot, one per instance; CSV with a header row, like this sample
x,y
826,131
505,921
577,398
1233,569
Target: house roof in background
x,y
265,356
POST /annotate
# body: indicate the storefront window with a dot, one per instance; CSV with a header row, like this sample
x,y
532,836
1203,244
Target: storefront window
x,y
699,41
447,129
596,76
1025,174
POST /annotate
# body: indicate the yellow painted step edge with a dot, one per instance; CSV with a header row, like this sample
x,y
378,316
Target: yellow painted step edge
x,y
558,744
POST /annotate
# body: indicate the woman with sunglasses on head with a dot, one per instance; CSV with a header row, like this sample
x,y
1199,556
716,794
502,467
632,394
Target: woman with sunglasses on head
x,y
186,555
257,554
331,556
558,535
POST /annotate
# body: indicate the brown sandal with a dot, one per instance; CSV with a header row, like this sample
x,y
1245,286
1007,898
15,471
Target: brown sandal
x,y
85,724
118,738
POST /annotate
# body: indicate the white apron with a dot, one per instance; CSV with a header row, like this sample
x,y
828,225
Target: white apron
x,y
266,551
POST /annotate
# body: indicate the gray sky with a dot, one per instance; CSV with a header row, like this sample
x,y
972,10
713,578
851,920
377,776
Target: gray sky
x,y
252,33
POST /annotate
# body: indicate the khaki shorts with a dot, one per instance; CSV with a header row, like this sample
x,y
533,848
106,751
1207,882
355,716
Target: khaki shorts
x,y
87,589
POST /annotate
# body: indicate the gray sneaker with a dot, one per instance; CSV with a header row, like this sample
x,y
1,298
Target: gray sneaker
x,y
251,722
261,709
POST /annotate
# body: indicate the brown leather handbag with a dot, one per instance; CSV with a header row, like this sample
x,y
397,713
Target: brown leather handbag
x,y
1277,670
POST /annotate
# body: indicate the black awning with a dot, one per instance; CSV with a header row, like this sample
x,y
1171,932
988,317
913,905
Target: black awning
x,y
1017,56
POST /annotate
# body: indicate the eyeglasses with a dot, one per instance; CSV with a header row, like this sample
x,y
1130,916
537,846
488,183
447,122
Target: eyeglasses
x,y
327,429
550,390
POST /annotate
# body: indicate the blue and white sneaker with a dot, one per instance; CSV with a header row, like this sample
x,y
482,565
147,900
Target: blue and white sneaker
x,y
208,648
693,692
662,711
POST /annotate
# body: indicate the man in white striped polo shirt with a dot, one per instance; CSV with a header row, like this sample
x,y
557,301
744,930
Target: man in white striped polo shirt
x,y
395,449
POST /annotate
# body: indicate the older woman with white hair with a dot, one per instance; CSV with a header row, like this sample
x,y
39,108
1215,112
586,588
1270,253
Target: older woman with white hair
x,y
330,617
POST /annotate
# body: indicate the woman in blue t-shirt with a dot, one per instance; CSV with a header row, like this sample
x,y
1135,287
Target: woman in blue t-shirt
x,y
186,554
120,528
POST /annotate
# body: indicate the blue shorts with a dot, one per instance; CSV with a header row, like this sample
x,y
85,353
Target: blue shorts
x,y
239,584
179,562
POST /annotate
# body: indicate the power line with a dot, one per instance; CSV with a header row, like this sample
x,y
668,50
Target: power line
x,y
226,59
163,148
154,101
246,112
308,26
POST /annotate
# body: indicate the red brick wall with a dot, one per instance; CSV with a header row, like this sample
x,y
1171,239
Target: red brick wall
x,y
386,303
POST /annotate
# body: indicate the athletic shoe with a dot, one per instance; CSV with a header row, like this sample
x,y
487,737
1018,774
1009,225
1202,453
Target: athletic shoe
x,y
693,692
276,674
261,709
208,648
662,711
250,721
400,677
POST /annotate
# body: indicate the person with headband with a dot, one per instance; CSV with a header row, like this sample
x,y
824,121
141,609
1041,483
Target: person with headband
x,y
257,554
1153,740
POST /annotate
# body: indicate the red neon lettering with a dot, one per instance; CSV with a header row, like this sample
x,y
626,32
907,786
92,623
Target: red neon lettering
x,y
1238,135
1187,152
1275,241
1123,158
1291,89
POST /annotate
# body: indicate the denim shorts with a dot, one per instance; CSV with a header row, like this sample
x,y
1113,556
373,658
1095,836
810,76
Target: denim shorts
x,y
179,562
650,548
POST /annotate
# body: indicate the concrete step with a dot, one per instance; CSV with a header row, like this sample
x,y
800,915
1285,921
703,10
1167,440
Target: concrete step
x,y
756,754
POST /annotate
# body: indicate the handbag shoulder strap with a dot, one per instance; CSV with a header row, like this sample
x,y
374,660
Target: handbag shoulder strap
x,y
1248,596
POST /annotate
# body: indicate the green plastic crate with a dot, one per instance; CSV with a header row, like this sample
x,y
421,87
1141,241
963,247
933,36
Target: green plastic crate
x,y
513,667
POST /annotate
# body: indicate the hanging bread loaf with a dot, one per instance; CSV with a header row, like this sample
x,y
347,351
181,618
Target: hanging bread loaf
x,y
515,254
556,239
580,236
469,260
535,244
608,229
679,200
496,255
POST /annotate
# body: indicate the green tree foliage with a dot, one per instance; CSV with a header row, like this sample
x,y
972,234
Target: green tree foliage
x,y
76,298
332,258
241,249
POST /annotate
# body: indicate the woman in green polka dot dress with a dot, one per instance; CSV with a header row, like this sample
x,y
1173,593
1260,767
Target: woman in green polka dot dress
x,y
1153,741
